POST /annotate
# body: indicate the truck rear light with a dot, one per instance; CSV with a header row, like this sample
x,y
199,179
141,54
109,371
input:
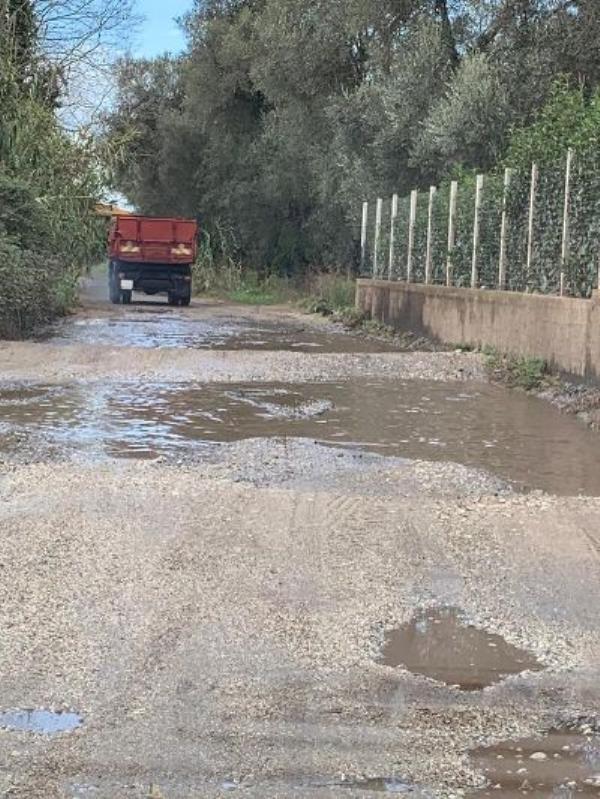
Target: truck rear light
x,y
122,275
187,279
129,246
181,249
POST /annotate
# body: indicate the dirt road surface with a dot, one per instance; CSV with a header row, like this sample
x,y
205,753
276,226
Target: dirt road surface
x,y
244,553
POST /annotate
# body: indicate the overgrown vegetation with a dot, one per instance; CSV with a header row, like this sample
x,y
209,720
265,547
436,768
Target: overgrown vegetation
x,y
50,180
330,294
219,271
223,276
529,374
284,115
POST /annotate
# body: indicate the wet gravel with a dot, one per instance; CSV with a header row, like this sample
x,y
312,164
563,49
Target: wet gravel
x,y
580,400
45,363
301,465
194,620
217,622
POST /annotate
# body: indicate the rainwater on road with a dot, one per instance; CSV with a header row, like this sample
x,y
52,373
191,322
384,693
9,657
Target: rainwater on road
x,y
41,722
158,327
564,762
514,436
440,645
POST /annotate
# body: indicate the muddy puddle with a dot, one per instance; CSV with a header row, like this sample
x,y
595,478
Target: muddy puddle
x,y
511,435
163,327
41,722
562,763
439,644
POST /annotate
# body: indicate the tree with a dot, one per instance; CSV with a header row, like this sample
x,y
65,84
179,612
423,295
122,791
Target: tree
x,y
73,32
469,124
23,27
284,115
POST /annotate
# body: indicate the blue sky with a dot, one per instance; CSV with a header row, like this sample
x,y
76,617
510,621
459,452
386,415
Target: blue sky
x,y
159,33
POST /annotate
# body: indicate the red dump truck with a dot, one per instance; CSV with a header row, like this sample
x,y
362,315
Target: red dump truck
x,y
151,255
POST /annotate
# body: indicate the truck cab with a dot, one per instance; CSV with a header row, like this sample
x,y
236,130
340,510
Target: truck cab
x,y
153,256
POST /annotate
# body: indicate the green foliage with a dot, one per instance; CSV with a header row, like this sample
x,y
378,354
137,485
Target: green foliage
x,y
23,220
284,115
49,183
252,293
217,269
570,118
330,293
526,373
35,287
469,123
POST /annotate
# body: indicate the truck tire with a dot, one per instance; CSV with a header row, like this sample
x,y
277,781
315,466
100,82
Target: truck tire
x,y
126,297
186,301
113,288
172,299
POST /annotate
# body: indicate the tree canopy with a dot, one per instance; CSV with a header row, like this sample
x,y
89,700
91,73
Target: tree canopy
x,y
283,115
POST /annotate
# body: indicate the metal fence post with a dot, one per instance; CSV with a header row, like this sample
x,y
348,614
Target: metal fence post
x,y
363,237
378,215
451,231
474,263
504,230
530,227
564,257
414,195
428,256
394,216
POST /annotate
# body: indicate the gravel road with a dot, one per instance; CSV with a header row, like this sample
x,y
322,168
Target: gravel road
x,y
50,364
216,622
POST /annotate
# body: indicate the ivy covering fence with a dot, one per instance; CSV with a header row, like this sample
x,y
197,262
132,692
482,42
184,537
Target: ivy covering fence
x,y
531,230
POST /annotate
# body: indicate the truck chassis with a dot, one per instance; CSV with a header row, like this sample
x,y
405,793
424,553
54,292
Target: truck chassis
x,y
125,277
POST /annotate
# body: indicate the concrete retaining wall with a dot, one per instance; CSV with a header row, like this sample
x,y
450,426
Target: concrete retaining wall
x,y
563,331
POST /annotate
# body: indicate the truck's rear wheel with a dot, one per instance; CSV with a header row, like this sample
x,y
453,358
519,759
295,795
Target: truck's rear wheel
x,y
187,298
126,297
114,293
173,300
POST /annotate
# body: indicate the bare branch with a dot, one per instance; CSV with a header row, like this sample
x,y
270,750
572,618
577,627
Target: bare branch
x,y
74,31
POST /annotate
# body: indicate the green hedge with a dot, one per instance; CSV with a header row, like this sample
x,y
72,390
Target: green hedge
x,y
35,288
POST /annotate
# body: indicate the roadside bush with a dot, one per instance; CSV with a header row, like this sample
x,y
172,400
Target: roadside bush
x,y
22,219
35,288
526,373
50,182
329,293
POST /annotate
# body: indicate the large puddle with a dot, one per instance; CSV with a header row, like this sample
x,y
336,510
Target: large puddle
x,y
511,435
562,763
439,644
163,327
